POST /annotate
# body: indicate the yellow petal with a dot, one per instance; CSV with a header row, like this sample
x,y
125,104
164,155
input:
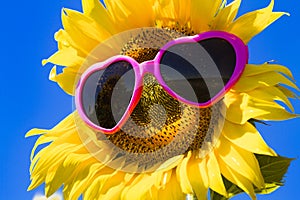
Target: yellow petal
x,y
202,165
117,10
112,178
64,126
35,131
182,11
246,137
65,57
66,130
87,25
163,178
240,160
238,109
77,27
43,160
270,94
40,141
247,83
214,175
51,186
198,180
84,169
35,182
237,179
252,70
95,10
202,14
242,107
113,193
63,39
92,192
133,14
99,182
140,188
182,175
49,135
170,163
226,16
164,12
252,23
65,80
277,114
172,190
287,92
164,9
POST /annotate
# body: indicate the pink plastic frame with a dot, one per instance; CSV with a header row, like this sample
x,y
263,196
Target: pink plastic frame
x,y
153,67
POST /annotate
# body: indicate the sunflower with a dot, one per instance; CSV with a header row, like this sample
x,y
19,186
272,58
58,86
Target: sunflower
x,y
227,156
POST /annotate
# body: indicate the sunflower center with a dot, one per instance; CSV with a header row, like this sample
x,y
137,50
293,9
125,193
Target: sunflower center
x,y
158,118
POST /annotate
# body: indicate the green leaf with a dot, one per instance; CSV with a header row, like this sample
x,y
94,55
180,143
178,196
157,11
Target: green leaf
x,y
273,170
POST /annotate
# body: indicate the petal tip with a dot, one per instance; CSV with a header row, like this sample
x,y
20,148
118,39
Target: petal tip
x,y
53,74
44,62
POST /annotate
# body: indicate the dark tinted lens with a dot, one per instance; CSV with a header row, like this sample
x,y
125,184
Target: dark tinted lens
x,y
106,94
206,66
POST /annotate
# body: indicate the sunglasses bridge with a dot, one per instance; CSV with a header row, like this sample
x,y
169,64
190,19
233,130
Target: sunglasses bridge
x,y
147,67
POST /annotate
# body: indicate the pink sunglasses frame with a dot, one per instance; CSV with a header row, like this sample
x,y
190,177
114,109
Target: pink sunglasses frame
x,y
153,67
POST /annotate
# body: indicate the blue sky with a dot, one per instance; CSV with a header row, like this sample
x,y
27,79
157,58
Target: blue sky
x,y
29,99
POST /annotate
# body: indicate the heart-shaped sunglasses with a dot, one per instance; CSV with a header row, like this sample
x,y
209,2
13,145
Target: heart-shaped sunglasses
x,y
196,70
